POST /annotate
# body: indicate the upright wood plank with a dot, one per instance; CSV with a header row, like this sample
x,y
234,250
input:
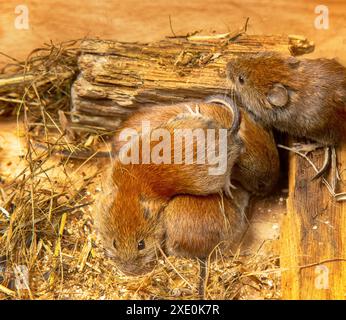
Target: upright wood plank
x,y
313,234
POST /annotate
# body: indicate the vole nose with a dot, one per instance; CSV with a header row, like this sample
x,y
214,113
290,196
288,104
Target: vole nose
x,y
133,269
135,266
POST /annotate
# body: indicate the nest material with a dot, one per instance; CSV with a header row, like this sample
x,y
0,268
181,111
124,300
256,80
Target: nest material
x,y
43,80
46,209
49,229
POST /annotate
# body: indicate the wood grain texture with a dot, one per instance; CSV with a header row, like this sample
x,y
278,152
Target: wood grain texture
x,y
147,20
117,77
313,235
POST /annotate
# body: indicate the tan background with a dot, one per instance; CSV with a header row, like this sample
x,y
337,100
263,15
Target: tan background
x,y
146,20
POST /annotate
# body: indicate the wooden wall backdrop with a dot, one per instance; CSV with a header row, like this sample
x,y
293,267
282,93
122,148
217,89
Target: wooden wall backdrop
x,y
147,20
313,233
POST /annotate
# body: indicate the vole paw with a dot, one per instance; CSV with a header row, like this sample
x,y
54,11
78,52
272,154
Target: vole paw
x,y
306,147
227,188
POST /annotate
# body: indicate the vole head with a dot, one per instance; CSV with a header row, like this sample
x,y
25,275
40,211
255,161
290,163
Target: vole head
x,y
130,227
263,81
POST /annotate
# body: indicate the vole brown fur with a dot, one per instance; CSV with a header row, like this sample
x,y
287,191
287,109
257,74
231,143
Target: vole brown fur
x,y
257,168
258,177
128,219
304,98
196,225
124,221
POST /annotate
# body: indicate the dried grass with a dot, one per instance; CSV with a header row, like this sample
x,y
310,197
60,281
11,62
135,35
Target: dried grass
x,y
46,210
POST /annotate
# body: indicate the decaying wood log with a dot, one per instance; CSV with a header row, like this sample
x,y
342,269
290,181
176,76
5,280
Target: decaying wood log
x,y
313,234
117,78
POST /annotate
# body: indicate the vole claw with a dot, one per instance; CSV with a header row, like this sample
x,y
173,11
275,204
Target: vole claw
x,y
306,147
326,163
336,177
227,188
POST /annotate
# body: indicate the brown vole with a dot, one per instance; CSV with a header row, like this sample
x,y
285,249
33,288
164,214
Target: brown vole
x,y
304,98
197,226
258,177
130,227
257,168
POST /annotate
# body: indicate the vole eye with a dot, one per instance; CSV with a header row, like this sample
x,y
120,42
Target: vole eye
x,y
114,244
141,245
241,79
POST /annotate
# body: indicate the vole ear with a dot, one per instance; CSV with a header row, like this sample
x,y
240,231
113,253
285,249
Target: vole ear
x,y
278,95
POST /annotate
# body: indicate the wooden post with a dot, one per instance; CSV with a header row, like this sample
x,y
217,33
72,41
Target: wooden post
x,y
313,235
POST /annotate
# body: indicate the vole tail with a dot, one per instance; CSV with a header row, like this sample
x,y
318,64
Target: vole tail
x,y
231,105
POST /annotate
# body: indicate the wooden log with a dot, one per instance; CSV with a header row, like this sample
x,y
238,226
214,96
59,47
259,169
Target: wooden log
x,y
117,78
313,235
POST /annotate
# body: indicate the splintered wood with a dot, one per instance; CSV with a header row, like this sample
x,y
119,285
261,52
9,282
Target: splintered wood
x,y
313,234
117,78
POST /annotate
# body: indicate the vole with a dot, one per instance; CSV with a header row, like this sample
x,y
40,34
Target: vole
x,y
129,212
257,168
196,226
304,98
130,226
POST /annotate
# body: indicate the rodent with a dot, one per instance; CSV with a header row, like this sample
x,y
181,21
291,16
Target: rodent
x,y
129,217
129,213
196,225
304,98
257,168
202,226
171,177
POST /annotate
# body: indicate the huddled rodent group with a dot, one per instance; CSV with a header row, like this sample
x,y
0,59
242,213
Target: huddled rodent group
x,y
142,206
181,209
